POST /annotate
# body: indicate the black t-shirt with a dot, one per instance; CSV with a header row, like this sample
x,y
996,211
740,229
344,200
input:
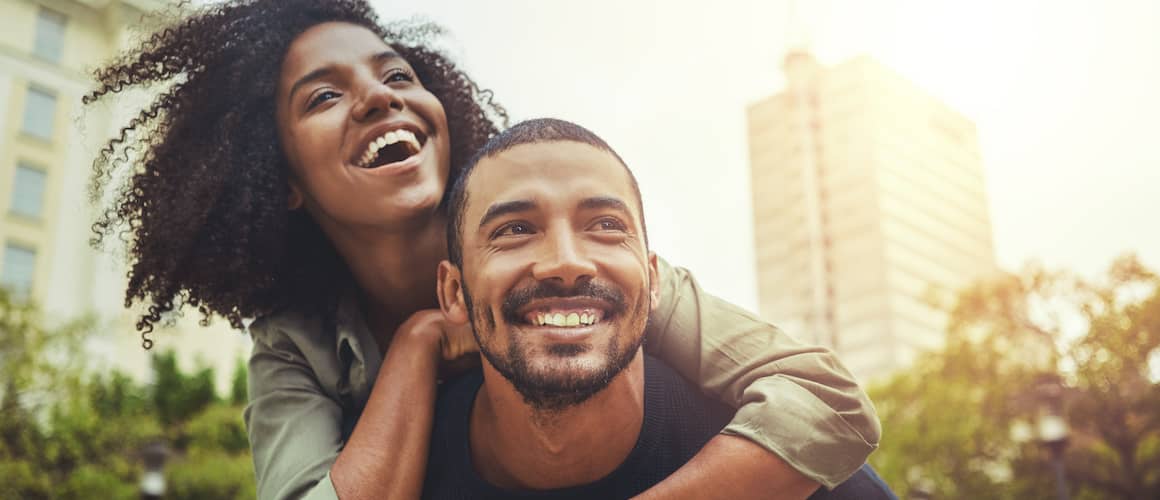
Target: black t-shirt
x,y
678,421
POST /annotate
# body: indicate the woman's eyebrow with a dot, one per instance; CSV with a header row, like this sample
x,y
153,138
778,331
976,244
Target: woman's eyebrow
x,y
386,55
310,77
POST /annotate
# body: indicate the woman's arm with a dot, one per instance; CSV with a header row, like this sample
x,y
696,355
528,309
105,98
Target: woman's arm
x,y
296,429
730,467
797,402
386,455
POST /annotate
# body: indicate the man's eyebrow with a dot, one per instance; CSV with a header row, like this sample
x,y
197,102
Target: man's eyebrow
x,y
504,208
609,202
325,71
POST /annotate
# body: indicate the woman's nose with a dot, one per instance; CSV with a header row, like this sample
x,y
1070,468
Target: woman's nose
x,y
377,99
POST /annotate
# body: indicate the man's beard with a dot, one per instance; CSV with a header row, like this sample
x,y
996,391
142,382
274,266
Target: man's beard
x,y
544,390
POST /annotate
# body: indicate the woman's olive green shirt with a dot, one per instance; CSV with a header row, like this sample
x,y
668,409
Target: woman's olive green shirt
x,y
309,381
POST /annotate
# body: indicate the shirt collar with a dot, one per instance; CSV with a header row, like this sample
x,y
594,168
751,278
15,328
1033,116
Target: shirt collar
x,y
356,347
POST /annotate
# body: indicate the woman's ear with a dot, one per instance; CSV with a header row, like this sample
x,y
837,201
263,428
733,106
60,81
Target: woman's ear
x,y
451,297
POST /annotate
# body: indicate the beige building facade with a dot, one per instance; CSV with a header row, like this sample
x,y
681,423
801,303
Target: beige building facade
x,y
868,197
48,50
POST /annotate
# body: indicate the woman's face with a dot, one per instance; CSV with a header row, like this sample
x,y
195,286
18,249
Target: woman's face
x,y
367,143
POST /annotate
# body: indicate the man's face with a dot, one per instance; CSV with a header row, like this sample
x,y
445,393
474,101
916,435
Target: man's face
x,y
556,278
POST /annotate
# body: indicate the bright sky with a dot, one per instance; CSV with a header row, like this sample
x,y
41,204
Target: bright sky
x,y
1064,94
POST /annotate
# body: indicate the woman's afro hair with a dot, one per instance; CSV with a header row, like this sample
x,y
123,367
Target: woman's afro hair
x,y
198,178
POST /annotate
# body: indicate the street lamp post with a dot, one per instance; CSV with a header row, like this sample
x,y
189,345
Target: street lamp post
x,y
1052,428
153,478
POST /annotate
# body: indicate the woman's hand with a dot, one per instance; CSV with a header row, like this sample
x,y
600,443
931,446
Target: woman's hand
x,y
453,343
458,341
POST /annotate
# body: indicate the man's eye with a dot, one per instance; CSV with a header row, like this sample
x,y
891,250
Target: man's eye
x,y
321,97
609,224
513,229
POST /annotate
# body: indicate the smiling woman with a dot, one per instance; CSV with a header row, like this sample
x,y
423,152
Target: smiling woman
x,y
344,91
292,171
192,186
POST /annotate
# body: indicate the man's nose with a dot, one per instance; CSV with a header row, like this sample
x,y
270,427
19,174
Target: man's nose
x,y
377,99
562,258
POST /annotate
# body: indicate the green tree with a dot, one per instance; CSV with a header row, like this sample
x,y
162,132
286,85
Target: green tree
x,y
68,433
177,396
948,420
239,388
33,380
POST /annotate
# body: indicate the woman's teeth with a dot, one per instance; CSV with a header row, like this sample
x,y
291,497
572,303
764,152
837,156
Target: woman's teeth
x,y
570,319
393,137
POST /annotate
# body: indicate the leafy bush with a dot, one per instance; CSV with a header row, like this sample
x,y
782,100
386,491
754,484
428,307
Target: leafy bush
x,y
90,481
23,480
65,433
219,427
215,475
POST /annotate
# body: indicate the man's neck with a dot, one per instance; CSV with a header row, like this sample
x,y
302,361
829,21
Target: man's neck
x,y
515,446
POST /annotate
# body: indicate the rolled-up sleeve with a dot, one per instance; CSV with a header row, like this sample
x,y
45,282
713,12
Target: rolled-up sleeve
x,y
793,399
295,428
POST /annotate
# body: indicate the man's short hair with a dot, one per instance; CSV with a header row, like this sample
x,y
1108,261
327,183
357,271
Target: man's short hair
x,y
526,132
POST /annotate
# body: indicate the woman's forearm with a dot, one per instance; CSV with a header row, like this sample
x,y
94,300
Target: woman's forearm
x,y
730,467
794,400
386,454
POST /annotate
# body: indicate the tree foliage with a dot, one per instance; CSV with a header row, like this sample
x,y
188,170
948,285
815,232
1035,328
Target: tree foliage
x,y
67,433
951,422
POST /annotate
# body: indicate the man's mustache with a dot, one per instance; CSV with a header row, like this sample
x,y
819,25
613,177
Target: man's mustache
x,y
519,298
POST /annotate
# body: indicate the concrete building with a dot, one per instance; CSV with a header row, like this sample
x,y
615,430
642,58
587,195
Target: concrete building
x,y
868,196
47,143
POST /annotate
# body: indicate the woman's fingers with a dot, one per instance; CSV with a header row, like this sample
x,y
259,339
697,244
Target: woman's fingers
x,y
430,326
458,340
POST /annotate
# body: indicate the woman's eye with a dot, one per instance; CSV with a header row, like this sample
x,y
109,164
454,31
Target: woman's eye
x,y
513,229
320,98
398,75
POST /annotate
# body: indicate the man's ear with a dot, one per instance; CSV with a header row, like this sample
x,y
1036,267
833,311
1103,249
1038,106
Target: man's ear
x,y
451,299
654,282
294,201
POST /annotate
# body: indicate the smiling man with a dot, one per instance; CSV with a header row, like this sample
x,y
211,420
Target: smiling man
x,y
550,265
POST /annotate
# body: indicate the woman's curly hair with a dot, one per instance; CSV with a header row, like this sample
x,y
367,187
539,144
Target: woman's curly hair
x,y
203,208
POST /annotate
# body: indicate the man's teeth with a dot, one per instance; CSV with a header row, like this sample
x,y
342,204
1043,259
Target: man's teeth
x,y
570,319
392,137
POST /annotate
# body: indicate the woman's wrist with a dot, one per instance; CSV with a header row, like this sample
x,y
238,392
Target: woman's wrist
x,y
419,338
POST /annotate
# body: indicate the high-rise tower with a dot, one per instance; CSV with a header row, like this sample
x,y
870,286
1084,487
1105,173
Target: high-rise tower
x,y
868,194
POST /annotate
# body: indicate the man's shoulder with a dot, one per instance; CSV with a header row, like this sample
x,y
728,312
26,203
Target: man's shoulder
x,y
673,397
679,418
454,401
448,459
463,386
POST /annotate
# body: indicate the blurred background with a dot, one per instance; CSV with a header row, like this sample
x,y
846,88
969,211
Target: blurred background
x,y
958,198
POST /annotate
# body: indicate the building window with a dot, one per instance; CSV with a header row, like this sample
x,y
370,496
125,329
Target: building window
x,y
28,191
39,111
19,266
49,35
